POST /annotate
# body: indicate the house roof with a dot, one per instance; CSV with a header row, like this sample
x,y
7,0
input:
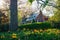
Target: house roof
x,y
32,16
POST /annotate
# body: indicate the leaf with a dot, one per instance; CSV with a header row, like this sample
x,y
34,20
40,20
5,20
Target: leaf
x,y
30,1
46,2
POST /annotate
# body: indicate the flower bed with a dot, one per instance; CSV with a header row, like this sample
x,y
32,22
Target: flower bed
x,y
48,34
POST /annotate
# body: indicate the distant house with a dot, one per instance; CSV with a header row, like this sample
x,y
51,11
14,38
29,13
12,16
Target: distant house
x,y
32,17
23,20
41,17
38,17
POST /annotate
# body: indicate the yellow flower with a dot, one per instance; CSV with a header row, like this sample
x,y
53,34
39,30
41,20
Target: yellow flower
x,y
36,30
41,30
2,36
14,35
57,32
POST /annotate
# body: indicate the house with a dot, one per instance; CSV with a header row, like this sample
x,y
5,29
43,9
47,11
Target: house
x,y
32,17
41,17
38,17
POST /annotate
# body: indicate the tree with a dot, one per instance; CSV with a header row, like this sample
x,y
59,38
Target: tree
x,y
3,18
56,16
43,5
30,1
0,17
13,15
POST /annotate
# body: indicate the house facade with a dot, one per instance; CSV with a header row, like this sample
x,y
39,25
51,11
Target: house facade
x,y
37,17
41,17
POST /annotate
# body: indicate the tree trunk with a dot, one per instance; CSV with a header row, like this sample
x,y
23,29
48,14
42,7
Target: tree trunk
x,y
13,15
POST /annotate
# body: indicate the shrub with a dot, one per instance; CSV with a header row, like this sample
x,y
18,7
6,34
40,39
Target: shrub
x,y
4,27
55,24
38,25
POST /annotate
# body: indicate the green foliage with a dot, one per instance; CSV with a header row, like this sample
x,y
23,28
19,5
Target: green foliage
x,y
49,34
56,16
30,1
58,3
39,25
4,27
55,20
33,21
45,3
56,24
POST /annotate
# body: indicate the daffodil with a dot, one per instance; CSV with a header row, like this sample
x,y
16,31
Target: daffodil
x,y
14,35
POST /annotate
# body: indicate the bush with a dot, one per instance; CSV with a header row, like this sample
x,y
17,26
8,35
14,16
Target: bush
x,y
55,24
4,27
39,25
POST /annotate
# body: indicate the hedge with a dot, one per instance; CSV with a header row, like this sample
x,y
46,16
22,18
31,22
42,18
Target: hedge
x,y
56,24
38,25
